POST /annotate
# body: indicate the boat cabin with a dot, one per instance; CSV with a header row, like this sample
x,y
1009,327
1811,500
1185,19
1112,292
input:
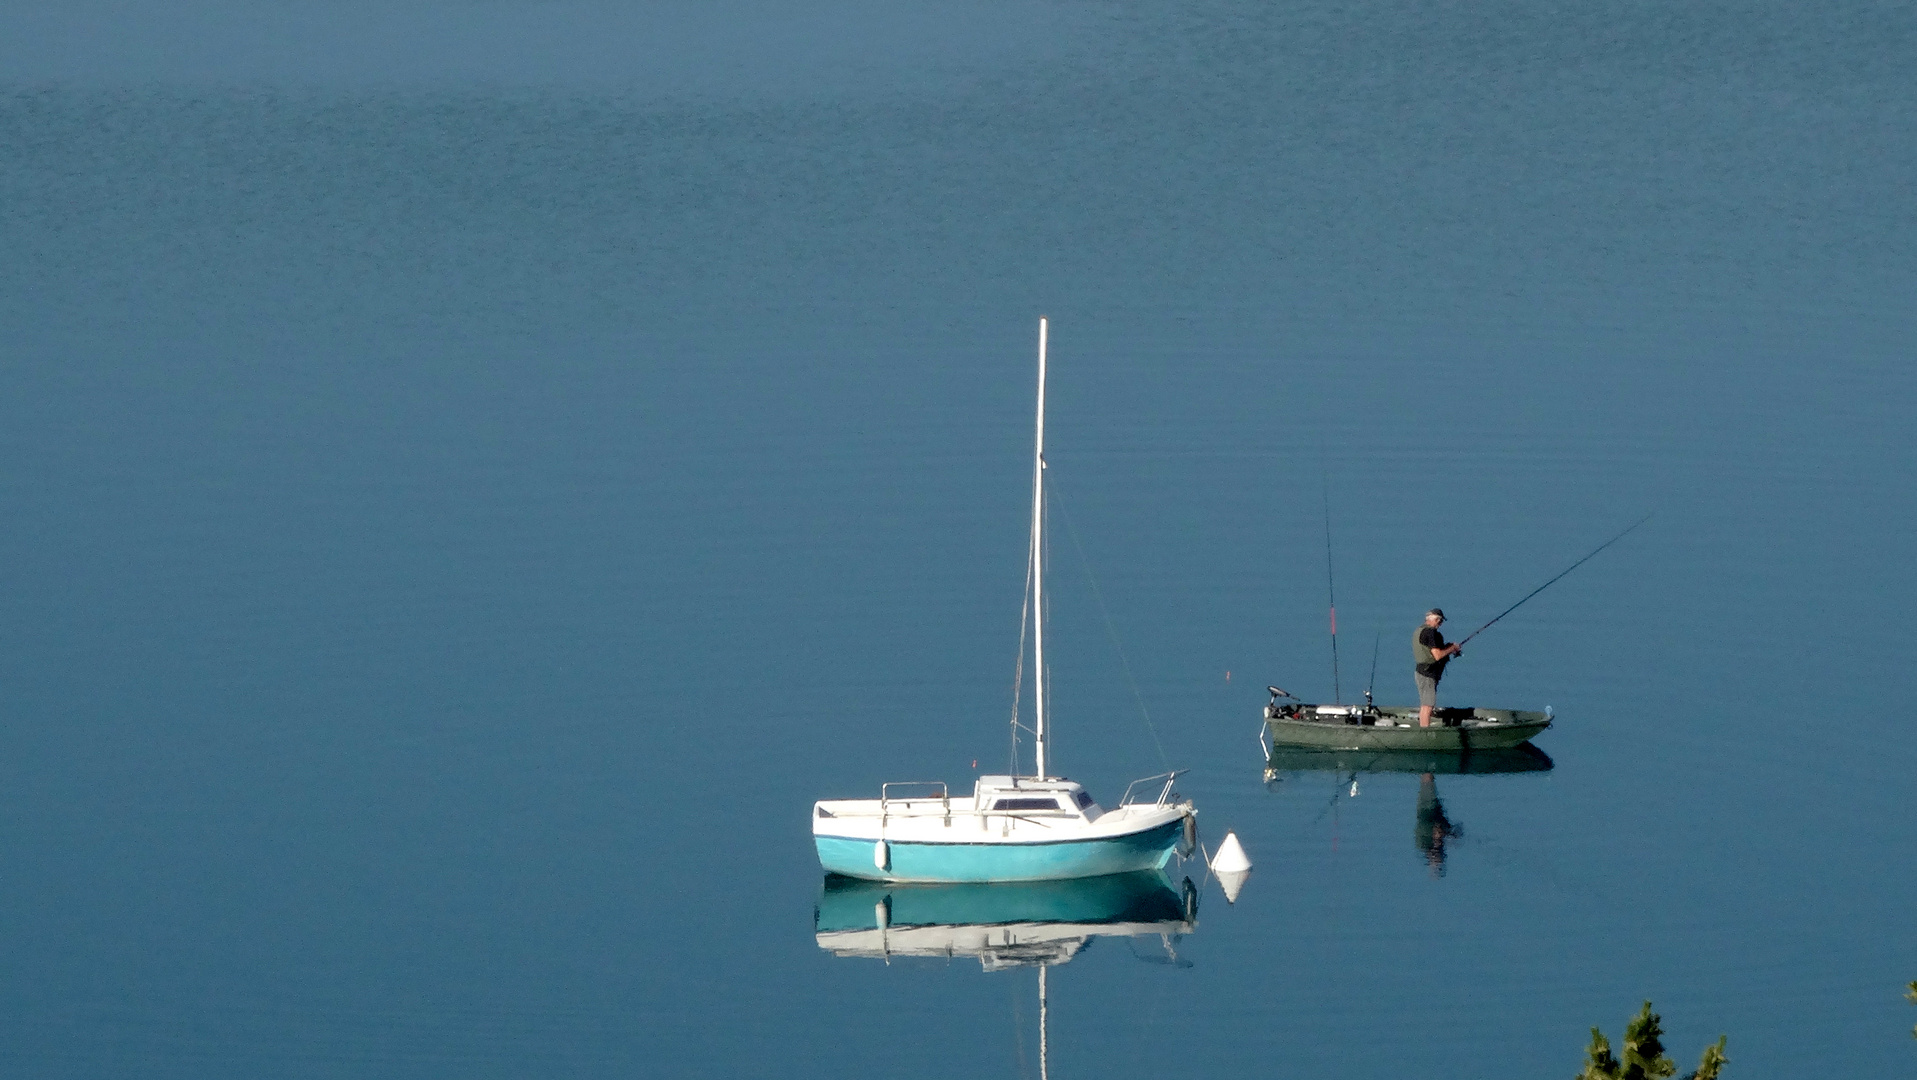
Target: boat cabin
x,y
1025,795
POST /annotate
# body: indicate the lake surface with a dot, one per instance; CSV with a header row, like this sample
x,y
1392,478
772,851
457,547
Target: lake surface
x,y
475,474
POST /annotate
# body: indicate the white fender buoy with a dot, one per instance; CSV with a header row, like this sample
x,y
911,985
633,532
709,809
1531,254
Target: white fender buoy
x,y
882,855
1231,856
1233,882
1232,867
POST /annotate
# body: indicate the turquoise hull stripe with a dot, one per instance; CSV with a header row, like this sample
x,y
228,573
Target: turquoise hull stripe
x,y
1150,849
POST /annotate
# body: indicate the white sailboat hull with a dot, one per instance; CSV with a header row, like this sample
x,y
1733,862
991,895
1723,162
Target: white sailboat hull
x,y
966,846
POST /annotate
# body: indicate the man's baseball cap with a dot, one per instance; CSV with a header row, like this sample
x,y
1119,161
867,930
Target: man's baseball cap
x,y
1438,611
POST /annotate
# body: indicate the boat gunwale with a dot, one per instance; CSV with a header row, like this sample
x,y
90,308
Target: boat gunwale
x,y
1128,821
1344,730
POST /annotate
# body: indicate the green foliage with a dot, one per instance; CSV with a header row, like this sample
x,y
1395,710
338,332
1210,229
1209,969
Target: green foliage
x,y
1712,1062
1644,1057
1644,1048
1598,1062
1910,995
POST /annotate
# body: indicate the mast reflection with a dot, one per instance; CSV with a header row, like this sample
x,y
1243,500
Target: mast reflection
x,y
1020,924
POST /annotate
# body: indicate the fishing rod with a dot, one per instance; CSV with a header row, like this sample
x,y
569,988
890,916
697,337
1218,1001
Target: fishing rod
x,y
1331,593
1554,580
1369,686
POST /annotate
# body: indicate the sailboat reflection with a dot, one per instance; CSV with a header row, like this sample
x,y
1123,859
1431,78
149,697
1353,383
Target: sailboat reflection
x,y
1007,925
1432,828
1011,925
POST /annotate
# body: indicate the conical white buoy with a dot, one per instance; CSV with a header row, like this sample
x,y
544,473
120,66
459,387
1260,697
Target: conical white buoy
x,y
1231,856
1233,883
1232,867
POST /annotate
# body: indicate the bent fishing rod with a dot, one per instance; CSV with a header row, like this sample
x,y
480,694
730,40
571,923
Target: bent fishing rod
x,y
1554,580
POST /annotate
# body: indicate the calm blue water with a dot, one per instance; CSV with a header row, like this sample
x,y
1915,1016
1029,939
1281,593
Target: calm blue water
x,y
474,475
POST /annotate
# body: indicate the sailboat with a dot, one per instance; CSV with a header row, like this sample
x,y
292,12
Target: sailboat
x,y
1012,827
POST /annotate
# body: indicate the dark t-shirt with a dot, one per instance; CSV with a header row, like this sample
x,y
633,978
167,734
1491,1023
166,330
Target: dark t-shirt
x,y
1428,641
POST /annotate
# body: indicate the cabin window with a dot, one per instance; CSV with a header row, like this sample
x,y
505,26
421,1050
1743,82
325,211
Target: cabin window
x,y
1083,799
1026,804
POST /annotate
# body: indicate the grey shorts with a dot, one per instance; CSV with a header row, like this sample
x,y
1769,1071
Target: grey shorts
x,y
1427,690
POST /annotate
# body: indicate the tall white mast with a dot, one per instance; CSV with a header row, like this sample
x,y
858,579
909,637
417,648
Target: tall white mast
x,y
1038,560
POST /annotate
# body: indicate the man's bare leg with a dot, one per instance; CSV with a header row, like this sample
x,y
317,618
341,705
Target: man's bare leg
x,y
1424,716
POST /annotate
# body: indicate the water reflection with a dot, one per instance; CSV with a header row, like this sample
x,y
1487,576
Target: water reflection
x,y
1002,926
1432,828
1513,759
1019,924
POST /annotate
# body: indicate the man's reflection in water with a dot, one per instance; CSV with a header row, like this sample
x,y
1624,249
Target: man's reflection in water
x,y
1433,828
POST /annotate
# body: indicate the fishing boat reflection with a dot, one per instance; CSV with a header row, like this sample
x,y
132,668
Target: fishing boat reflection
x,y
1510,759
1002,925
1432,828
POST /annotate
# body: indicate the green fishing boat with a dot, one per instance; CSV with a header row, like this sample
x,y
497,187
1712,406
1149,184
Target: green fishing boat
x,y
1294,723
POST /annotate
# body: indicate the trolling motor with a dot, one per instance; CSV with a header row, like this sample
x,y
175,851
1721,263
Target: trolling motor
x,y
1273,710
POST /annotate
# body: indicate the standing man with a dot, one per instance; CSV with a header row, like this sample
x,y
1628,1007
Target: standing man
x,y
1431,654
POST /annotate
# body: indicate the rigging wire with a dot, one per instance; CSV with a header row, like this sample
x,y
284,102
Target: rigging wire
x,y
1111,631
1038,623
1018,668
